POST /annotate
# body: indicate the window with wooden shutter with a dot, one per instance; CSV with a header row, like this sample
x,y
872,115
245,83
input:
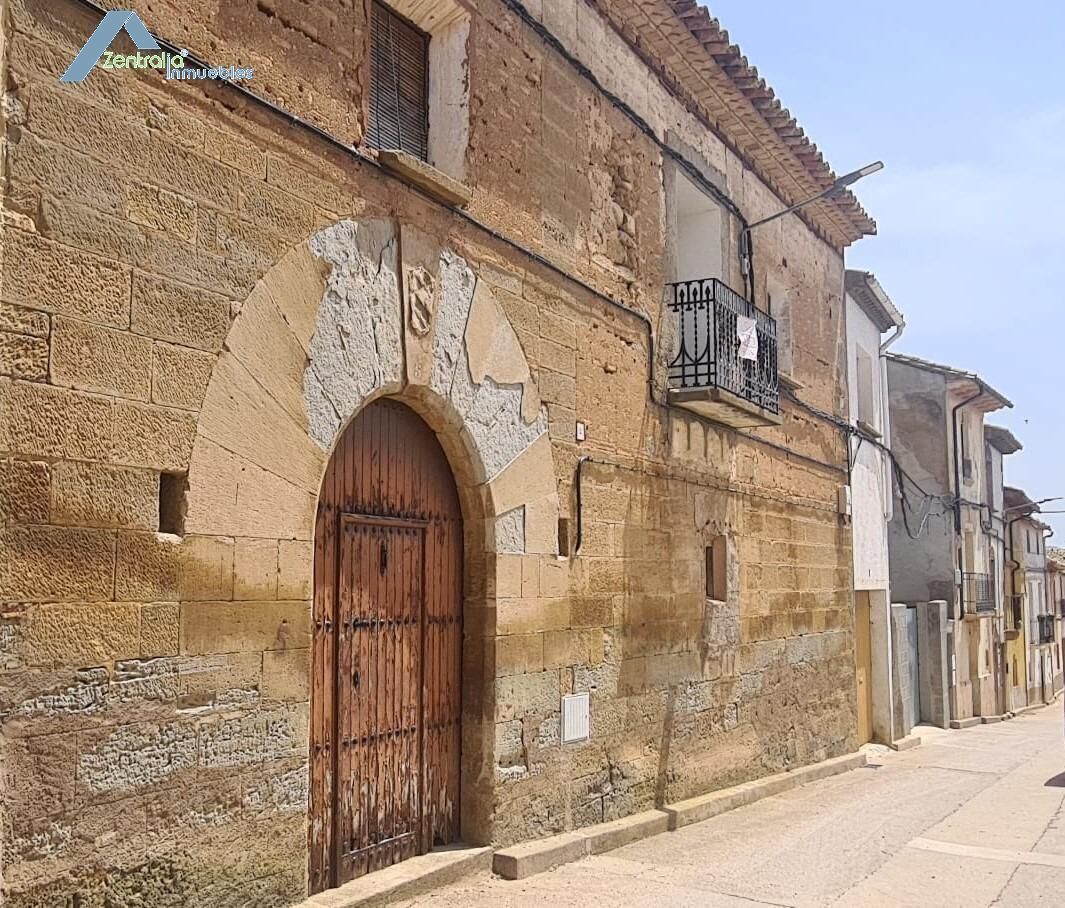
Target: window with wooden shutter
x,y
399,84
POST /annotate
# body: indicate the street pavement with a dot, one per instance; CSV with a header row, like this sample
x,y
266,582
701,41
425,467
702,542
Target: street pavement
x,y
970,818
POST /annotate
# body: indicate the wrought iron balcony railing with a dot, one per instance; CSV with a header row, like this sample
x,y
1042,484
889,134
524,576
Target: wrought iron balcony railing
x,y
977,593
725,344
1046,628
1015,615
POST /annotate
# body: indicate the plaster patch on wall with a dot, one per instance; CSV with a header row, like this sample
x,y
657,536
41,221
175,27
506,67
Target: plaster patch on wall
x,y
510,532
136,755
495,352
85,695
492,388
250,739
11,637
357,346
285,793
492,416
455,295
44,843
322,417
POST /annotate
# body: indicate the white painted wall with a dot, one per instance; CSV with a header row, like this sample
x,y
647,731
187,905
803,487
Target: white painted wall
x,y
870,476
449,98
699,222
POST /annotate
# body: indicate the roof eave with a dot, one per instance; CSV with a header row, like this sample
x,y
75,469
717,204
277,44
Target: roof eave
x,y
1002,440
873,299
785,159
987,397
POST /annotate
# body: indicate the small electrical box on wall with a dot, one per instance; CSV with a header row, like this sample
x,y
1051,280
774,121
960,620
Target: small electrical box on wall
x,y
843,502
576,718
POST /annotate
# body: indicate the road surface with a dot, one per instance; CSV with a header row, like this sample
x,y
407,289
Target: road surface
x,y
970,818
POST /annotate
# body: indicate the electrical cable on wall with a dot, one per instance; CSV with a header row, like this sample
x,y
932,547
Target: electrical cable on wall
x,y
901,476
552,41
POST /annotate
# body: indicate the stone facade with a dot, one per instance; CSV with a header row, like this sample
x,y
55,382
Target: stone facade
x,y
197,295
1037,646
940,545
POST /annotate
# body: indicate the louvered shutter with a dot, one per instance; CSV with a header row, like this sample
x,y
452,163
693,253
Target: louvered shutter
x,y
399,84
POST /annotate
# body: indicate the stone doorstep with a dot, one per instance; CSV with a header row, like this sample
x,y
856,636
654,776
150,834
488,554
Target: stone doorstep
x,y
988,720
529,858
909,742
412,877
965,723
520,861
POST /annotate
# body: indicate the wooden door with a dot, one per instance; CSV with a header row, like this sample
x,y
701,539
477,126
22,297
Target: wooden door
x,y
385,700
863,662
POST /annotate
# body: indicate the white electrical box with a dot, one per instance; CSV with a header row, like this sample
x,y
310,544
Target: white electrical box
x,y
844,501
576,718
582,431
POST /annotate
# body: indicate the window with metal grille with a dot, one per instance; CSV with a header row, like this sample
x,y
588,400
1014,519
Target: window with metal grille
x,y
399,84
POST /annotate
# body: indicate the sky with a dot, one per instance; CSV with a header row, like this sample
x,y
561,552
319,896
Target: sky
x,y
965,105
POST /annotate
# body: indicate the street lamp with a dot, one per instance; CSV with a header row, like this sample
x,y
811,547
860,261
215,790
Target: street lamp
x,y
1035,505
839,183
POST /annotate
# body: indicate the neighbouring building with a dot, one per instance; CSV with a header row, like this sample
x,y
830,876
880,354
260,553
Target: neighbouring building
x,y
405,460
870,314
1026,561
941,545
1056,595
999,443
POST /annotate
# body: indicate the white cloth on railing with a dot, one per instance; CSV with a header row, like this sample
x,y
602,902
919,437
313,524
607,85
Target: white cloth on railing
x,y
747,334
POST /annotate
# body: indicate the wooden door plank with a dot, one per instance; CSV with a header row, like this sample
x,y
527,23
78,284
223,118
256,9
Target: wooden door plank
x,y
392,790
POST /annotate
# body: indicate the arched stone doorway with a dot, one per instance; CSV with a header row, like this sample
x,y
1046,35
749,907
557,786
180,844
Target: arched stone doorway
x,y
386,663
366,311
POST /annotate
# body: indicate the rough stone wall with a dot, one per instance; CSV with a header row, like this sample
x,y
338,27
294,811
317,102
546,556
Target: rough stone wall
x,y
922,569
154,688
688,694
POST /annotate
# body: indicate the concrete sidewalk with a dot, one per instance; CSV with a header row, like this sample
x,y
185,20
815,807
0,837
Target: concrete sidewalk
x,y
971,818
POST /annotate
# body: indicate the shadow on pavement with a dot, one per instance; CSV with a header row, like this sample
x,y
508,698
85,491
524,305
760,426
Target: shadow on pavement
x,y
1057,781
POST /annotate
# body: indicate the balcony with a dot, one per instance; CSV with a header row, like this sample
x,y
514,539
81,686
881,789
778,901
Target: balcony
x,y
1046,628
977,594
1014,617
726,363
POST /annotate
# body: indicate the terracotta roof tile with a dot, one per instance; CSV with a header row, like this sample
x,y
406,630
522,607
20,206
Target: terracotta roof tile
x,y
804,154
1002,439
951,372
866,291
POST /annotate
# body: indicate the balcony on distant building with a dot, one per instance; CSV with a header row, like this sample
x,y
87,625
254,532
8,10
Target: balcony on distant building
x,y
1046,628
1015,613
726,363
977,594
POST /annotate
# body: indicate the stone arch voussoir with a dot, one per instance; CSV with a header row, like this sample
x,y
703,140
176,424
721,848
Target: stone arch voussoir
x,y
342,320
